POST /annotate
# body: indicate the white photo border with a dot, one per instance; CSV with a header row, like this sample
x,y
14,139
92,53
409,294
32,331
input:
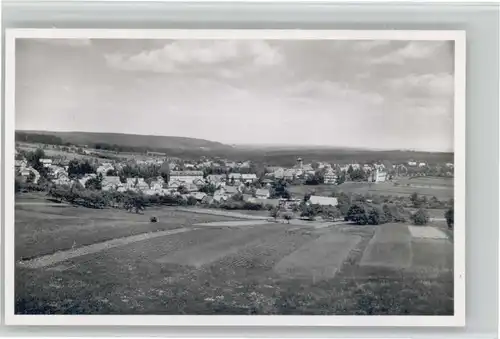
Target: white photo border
x,y
456,320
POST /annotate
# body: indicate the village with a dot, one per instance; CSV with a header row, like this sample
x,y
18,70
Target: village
x,y
213,181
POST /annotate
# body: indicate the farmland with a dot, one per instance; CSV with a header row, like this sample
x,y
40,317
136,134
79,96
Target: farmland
x,y
217,265
441,188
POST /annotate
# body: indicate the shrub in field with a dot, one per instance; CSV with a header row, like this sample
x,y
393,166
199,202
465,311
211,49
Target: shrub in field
x,y
309,211
252,206
420,217
450,217
288,216
191,201
274,213
269,207
153,219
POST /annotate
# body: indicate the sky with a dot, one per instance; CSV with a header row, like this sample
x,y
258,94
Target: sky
x,y
370,94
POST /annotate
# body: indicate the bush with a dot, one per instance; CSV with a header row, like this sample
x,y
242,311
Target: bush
x,y
191,201
420,217
269,207
252,206
357,214
153,219
288,216
450,217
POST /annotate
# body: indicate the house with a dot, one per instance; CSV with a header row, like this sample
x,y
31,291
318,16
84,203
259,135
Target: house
x,y
174,185
230,190
289,174
21,164
279,173
267,182
207,200
185,176
157,184
422,164
249,198
262,193
449,165
199,182
26,172
216,179
86,178
330,177
111,183
323,201
307,168
199,195
249,178
189,166
104,168
62,181
46,162
234,177
377,176
191,187
220,196
412,163
289,203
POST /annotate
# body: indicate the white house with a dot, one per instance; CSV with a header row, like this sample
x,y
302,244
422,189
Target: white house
x,y
422,164
330,176
262,193
104,168
378,176
412,163
46,162
323,201
249,178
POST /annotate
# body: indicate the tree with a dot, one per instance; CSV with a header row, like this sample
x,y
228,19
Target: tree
x,y
274,213
415,199
111,173
165,171
95,183
450,217
135,202
183,190
420,217
288,216
340,178
208,189
308,211
77,169
357,214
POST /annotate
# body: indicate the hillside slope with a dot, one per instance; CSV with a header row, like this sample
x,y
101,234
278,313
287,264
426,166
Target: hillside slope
x,y
127,140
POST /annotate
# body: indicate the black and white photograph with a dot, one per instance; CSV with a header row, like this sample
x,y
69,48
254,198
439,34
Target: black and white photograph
x,y
256,173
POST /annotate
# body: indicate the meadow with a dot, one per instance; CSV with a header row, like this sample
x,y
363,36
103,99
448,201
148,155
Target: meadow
x,y
441,188
217,266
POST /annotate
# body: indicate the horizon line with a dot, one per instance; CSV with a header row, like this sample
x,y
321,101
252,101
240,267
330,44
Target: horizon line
x,y
245,144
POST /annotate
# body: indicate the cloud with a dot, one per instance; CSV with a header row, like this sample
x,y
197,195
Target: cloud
x,y
366,46
432,85
196,54
414,50
332,90
74,42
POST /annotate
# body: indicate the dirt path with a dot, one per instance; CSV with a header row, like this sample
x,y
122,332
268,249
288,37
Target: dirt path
x,y
51,259
221,213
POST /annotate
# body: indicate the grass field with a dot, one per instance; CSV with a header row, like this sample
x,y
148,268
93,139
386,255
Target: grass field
x,y
269,268
441,188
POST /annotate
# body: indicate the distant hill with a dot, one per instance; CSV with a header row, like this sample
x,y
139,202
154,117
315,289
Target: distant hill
x,y
152,142
192,148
